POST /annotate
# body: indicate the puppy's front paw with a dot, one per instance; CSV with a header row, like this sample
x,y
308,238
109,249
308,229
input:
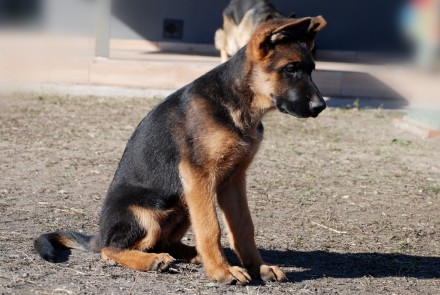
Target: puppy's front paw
x,y
272,273
230,275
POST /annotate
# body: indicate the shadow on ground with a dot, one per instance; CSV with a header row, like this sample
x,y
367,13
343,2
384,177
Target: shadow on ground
x,y
319,264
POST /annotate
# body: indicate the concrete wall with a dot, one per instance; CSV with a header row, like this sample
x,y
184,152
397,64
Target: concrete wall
x,y
76,17
353,25
144,18
368,25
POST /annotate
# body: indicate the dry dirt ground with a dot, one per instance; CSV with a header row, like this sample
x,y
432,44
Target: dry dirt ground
x,y
345,203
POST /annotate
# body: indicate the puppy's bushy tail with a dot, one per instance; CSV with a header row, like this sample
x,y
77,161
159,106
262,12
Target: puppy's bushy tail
x,y
55,246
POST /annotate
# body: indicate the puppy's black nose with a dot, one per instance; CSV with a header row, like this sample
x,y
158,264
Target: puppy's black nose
x,y
317,106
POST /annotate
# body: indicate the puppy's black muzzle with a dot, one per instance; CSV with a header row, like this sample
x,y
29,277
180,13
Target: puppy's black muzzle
x,y
317,106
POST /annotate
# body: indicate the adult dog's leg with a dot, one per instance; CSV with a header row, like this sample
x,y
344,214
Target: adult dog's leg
x,y
233,202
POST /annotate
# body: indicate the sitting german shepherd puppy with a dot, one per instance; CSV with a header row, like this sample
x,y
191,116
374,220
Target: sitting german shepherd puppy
x,y
240,19
192,151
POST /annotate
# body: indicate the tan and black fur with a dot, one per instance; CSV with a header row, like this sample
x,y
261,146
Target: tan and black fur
x,y
191,153
240,19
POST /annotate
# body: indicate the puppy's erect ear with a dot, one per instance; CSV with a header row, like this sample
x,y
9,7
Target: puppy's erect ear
x,y
272,32
304,28
292,30
317,24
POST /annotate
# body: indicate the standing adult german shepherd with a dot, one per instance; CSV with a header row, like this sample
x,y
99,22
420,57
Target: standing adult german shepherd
x,y
191,151
240,19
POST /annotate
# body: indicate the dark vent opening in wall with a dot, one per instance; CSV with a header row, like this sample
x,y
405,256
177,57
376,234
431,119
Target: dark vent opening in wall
x,y
173,28
19,12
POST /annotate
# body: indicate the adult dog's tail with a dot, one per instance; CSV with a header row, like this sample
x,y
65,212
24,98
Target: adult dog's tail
x,y
54,246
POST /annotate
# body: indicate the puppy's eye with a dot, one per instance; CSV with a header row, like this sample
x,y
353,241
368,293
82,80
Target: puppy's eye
x,y
292,67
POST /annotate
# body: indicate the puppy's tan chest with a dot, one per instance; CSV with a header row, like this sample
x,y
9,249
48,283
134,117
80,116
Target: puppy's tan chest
x,y
227,151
